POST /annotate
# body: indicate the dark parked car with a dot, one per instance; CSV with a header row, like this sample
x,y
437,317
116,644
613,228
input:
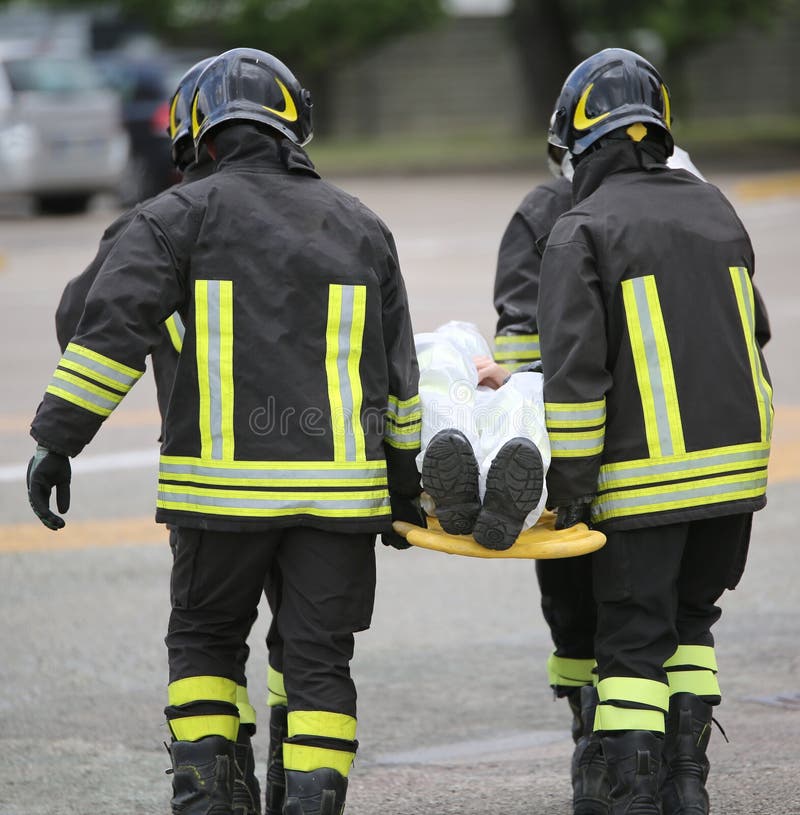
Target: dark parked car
x,y
145,87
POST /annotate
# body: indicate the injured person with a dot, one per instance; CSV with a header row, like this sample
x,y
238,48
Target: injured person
x,y
485,449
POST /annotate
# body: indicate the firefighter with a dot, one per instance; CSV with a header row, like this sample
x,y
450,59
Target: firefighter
x,y
565,584
291,430
164,358
659,410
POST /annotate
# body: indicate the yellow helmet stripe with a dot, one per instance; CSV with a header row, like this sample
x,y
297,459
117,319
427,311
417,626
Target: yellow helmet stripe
x,y
580,119
289,112
173,119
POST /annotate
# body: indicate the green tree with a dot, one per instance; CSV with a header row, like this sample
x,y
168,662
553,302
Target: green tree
x,y
313,37
554,35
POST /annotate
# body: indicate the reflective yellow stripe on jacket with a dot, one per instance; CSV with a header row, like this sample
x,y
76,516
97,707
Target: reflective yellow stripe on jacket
x,y
343,345
743,288
273,488
176,330
91,380
516,348
214,333
671,478
576,428
403,428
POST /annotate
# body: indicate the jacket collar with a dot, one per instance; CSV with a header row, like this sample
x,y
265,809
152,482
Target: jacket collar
x,y
244,145
615,156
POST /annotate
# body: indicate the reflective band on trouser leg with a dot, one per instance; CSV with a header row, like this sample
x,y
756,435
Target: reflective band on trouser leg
x,y
324,724
203,689
247,713
693,669
700,683
646,694
276,688
570,672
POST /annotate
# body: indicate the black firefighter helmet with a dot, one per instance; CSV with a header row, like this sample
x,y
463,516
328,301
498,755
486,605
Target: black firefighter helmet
x,y
613,88
245,84
180,111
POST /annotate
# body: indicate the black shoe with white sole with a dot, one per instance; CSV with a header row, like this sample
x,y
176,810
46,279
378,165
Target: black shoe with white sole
x,y
450,477
513,488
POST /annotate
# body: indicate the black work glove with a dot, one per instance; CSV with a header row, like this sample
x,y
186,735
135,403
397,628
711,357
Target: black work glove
x,y
408,510
47,470
577,512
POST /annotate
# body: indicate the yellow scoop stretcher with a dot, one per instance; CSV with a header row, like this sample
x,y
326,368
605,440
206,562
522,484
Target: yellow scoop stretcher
x,y
541,542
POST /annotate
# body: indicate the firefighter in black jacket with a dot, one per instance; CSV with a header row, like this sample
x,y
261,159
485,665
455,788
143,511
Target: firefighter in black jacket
x,y
659,410
164,358
292,427
565,584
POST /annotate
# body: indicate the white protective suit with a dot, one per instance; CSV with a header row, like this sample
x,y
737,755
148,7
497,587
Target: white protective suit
x,y
452,398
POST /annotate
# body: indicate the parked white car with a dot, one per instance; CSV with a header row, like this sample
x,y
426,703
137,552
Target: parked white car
x,y
61,136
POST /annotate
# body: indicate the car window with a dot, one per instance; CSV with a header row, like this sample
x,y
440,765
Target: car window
x,y
47,75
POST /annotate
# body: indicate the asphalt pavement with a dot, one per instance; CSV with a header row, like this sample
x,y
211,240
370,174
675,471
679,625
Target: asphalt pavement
x,y
455,715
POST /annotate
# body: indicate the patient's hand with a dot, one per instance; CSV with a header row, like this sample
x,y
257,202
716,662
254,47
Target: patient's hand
x,y
490,373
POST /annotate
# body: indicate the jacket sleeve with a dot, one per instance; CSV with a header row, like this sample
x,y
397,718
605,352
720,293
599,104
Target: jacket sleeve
x,y
73,298
515,288
516,284
403,425
763,332
138,286
164,358
572,324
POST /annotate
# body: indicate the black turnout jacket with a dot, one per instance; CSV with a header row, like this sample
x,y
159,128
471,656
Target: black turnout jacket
x,y
295,397
164,355
516,282
657,396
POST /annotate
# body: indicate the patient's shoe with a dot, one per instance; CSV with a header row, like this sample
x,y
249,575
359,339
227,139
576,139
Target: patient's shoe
x,y
513,488
450,477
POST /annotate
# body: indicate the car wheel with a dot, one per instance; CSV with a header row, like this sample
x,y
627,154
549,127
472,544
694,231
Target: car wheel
x,y
71,204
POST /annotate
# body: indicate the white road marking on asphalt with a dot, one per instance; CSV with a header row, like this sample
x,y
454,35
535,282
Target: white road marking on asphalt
x,y
461,750
124,460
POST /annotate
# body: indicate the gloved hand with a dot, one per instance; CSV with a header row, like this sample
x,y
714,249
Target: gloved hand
x,y
404,509
577,512
47,470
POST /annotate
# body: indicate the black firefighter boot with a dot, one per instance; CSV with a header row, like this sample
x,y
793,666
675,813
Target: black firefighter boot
x,y
450,476
275,792
686,763
633,758
589,772
202,776
318,792
246,789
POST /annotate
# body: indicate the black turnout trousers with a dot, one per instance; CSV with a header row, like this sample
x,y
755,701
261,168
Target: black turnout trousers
x,y
327,594
568,604
657,588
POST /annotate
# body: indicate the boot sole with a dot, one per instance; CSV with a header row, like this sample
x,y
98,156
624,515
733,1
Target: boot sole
x,y
513,488
450,477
